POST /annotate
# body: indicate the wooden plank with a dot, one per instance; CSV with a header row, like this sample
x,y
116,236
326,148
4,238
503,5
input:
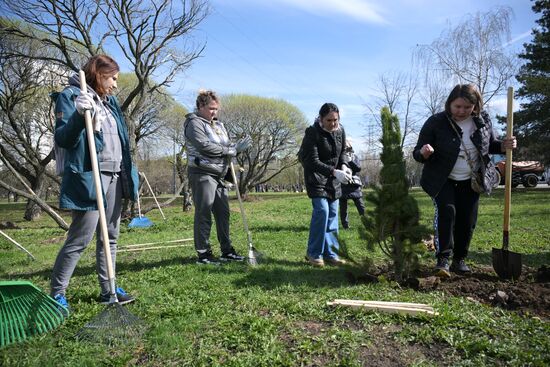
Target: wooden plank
x,y
149,248
155,243
386,303
386,308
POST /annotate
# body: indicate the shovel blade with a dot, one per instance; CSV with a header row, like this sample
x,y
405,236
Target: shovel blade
x,y
142,222
507,264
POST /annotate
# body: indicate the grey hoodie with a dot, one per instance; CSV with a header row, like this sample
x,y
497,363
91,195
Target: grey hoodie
x,y
208,147
110,158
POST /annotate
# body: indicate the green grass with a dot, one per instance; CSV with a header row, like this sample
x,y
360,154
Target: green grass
x,y
275,314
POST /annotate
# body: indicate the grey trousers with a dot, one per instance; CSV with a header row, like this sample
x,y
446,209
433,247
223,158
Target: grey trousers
x,y
210,196
81,232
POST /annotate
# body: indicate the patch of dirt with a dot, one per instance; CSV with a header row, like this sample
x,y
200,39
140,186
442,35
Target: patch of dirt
x,y
54,240
381,347
8,225
529,294
385,350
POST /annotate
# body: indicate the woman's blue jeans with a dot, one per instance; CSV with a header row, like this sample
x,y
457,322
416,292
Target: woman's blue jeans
x,y
323,230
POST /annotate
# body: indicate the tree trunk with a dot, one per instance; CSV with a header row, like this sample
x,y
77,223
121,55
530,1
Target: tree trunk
x,y
62,224
33,211
187,200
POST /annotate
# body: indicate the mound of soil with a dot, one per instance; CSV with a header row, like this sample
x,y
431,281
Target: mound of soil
x,y
528,295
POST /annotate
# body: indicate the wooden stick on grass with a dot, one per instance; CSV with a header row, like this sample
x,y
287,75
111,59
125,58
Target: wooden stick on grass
x,y
389,307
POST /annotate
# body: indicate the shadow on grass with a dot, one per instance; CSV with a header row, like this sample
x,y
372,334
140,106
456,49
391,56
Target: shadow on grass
x,y
137,265
121,267
280,228
275,273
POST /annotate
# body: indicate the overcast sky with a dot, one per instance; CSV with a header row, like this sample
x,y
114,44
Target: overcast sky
x,y
308,52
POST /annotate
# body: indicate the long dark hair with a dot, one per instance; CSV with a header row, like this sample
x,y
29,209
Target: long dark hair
x,y
328,108
97,67
470,93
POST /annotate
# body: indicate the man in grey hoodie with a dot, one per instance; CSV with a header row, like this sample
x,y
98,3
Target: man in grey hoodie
x,y
210,152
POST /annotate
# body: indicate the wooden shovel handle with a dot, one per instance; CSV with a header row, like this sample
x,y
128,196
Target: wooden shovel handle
x,y
508,170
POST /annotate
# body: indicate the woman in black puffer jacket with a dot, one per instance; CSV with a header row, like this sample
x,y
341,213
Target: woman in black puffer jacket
x,y
322,156
451,145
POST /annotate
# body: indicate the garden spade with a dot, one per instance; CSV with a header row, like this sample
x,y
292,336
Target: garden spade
x,y
507,264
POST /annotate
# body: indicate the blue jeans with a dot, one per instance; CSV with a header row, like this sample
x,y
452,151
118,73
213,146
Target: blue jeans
x,y
323,230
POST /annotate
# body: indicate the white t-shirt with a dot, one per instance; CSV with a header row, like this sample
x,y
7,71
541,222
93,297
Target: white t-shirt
x,y
461,170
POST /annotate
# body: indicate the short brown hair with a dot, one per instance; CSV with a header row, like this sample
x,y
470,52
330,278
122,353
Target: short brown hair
x,y
205,97
470,93
99,66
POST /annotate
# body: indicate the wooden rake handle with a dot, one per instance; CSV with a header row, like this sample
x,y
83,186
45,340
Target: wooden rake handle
x,y
508,171
98,190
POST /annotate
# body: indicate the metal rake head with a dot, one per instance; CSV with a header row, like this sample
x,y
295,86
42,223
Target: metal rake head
x,y
113,325
253,256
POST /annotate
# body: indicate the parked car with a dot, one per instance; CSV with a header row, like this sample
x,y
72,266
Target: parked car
x,y
528,173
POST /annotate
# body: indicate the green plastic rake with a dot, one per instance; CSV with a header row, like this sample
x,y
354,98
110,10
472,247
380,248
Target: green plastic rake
x,y
26,311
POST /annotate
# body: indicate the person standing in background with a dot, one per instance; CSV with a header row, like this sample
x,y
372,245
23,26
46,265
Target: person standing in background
x,y
352,189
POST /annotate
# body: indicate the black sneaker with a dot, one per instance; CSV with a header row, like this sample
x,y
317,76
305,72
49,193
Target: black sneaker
x,y
442,268
121,295
206,258
232,255
459,266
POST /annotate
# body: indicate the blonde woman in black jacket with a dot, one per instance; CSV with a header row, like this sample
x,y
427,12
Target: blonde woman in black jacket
x,y
451,145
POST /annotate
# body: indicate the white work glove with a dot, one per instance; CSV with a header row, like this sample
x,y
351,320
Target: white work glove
x,y
231,151
342,176
347,170
243,144
85,102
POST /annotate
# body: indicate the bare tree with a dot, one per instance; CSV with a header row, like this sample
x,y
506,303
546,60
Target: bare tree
x,y
146,32
474,52
63,27
434,92
25,118
397,91
152,35
172,131
274,125
150,116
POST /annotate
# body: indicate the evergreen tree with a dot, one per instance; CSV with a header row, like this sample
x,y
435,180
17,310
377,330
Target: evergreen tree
x,y
393,220
532,122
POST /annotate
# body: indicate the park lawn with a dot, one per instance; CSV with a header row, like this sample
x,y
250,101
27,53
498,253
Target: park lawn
x,y
275,314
